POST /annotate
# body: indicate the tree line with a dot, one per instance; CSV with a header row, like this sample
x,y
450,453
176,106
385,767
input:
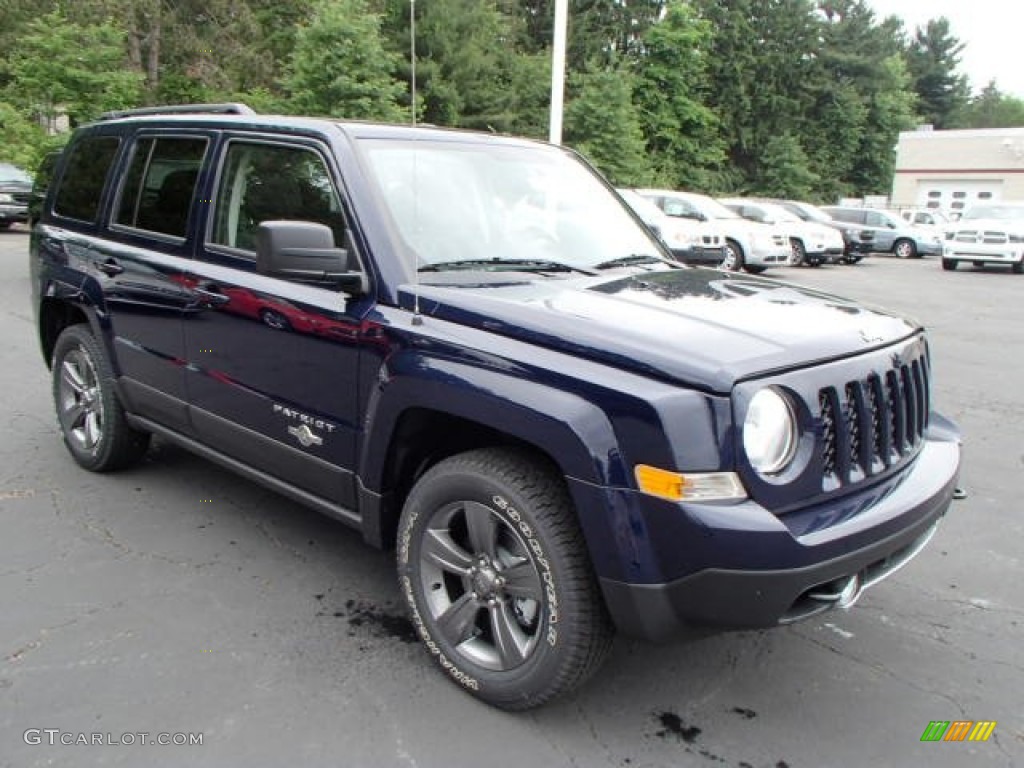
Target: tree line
x,y
795,98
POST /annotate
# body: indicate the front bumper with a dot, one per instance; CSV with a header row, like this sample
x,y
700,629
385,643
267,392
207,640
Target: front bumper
x,y
987,253
16,213
700,254
764,255
798,566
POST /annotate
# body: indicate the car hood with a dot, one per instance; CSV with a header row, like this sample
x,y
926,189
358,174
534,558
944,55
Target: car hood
x,y
700,327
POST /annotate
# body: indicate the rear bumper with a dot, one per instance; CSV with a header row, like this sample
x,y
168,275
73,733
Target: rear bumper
x,y
808,570
929,249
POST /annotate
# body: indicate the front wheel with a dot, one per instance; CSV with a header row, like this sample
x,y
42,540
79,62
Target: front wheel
x,y
949,264
799,253
495,573
732,256
91,418
1018,267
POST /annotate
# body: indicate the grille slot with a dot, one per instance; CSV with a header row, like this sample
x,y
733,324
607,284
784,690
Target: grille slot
x,y
872,423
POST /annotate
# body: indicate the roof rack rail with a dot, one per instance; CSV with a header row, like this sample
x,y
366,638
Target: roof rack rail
x,y
231,108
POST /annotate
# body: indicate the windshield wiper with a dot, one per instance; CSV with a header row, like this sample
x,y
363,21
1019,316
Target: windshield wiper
x,y
516,265
629,261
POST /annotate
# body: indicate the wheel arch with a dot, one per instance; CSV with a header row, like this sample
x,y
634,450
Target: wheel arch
x,y
55,315
414,422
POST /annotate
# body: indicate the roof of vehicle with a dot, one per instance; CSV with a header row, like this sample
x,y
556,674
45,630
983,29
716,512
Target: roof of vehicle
x,y
184,115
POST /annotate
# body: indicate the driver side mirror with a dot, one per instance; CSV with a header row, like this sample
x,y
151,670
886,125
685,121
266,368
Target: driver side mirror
x,y
305,251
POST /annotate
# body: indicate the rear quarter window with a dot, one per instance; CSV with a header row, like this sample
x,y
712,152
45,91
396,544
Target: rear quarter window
x,y
85,175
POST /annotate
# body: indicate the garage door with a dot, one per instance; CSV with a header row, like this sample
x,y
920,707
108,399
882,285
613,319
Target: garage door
x,y
956,195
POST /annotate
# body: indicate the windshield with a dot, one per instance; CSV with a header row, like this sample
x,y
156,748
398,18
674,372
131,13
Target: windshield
x,y
483,203
777,213
995,212
11,173
712,209
810,213
643,207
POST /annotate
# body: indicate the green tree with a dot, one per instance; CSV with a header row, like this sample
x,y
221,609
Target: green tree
x,y
784,170
24,142
339,66
601,123
58,66
682,134
932,61
994,109
862,74
466,62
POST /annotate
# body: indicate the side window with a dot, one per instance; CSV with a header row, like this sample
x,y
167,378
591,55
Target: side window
x,y
873,219
85,175
267,182
160,185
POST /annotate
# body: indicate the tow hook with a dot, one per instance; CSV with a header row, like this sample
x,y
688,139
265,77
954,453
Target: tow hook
x,y
959,493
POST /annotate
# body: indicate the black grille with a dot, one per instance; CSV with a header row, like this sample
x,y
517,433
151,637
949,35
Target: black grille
x,y
873,423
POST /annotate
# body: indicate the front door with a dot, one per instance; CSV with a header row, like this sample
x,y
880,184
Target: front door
x,y
272,364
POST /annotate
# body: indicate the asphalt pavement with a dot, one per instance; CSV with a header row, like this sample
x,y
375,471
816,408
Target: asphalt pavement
x,y
178,601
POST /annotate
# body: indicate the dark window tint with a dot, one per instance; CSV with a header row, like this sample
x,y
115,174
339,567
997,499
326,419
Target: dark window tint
x,y
160,184
81,186
266,182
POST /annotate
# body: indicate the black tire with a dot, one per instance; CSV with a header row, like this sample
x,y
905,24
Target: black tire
x,y
949,264
1018,267
799,257
904,249
754,270
90,416
512,641
732,257
273,319
5,225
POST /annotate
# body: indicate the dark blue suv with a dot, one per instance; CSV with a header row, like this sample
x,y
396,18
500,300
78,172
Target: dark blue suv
x,y
467,347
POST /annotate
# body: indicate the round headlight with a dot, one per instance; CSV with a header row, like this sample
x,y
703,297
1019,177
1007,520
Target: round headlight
x,y
769,432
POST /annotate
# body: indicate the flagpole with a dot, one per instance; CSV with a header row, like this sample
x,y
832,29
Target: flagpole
x,y
558,71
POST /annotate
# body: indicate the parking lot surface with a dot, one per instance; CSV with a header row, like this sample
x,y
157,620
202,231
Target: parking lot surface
x,y
177,599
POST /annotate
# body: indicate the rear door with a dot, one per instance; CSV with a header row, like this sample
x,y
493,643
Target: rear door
x,y
272,362
140,261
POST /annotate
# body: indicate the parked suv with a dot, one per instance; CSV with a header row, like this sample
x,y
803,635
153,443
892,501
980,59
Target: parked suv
x,y
987,234
689,240
466,346
15,188
748,244
812,243
892,233
858,242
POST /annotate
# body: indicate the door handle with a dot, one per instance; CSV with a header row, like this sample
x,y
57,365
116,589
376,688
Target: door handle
x,y
211,295
109,267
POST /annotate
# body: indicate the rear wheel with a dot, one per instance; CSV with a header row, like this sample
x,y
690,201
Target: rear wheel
x,y
949,264
91,418
904,249
494,570
732,257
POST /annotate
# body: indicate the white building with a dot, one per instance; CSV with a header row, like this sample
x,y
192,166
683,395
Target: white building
x,y
952,170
